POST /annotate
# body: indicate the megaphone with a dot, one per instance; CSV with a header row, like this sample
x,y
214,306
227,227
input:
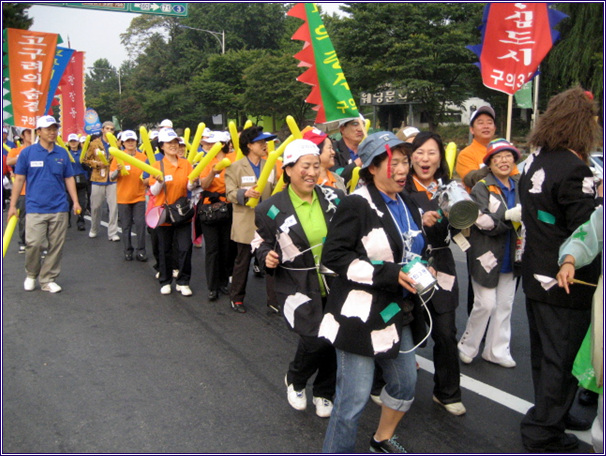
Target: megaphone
x,y
457,205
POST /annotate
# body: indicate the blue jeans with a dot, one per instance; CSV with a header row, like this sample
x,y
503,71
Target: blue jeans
x,y
354,382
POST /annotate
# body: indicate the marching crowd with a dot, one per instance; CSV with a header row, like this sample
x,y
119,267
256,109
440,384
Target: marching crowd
x,y
337,228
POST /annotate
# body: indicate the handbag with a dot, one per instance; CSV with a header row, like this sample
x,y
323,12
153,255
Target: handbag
x,y
181,211
155,216
215,212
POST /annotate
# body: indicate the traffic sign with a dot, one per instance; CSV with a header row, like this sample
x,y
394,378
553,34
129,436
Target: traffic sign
x,y
160,8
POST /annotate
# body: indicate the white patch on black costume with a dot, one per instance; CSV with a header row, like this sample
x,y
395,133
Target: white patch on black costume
x,y
291,305
384,339
537,180
377,245
357,305
360,272
329,328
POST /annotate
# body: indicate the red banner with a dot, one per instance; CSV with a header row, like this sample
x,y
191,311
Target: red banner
x,y
31,57
72,96
516,39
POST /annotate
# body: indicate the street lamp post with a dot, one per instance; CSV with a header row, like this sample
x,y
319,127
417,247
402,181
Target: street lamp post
x,y
221,40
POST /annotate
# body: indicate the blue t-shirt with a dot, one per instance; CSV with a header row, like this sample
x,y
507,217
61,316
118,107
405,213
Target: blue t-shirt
x,y
510,197
76,165
45,173
256,168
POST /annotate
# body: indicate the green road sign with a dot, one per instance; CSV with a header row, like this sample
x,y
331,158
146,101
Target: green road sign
x,y
165,9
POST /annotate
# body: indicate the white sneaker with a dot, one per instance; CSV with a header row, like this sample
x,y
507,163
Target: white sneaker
x,y
184,289
21,249
296,399
506,362
157,276
455,408
51,287
323,407
92,234
166,290
29,284
376,399
114,238
464,358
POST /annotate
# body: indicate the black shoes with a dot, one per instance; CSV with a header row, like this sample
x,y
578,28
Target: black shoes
x,y
213,295
141,257
574,423
81,227
128,256
386,446
225,290
238,307
565,442
587,397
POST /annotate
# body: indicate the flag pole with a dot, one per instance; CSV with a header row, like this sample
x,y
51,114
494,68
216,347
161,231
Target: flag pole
x,y
509,115
535,105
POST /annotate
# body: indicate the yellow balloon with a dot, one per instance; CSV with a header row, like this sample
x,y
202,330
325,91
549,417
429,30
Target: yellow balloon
x,y
279,186
294,128
8,234
193,150
451,156
225,163
355,177
212,153
134,161
113,142
248,124
84,149
62,144
146,145
235,139
186,135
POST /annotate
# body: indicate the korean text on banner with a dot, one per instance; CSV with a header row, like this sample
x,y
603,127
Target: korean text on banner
x,y
516,37
30,63
73,108
330,90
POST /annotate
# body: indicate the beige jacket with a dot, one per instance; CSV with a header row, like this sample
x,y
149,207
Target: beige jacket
x,y
239,177
100,172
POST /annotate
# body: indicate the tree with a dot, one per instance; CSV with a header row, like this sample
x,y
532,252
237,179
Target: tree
x,y
14,15
418,47
272,89
578,58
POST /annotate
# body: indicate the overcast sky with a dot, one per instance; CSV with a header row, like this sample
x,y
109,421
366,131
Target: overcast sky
x,y
95,32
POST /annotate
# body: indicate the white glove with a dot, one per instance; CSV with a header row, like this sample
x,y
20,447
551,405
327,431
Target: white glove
x,y
515,214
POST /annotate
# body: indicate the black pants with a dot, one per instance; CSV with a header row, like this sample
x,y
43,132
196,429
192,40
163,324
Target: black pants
x,y
556,334
447,373
133,215
239,278
182,236
82,192
220,253
314,354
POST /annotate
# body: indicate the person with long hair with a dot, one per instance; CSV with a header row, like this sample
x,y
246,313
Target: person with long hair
x,y
429,170
557,195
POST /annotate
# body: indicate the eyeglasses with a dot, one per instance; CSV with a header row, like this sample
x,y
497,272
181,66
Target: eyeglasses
x,y
502,157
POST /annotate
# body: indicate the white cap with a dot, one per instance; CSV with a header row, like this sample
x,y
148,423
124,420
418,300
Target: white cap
x,y
153,135
83,138
167,135
129,134
206,133
297,149
166,123
72,137
218,136
46,121
409,132
181,141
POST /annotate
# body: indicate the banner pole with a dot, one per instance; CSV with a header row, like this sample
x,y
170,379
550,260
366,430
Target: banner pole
x,y
509,114
535,106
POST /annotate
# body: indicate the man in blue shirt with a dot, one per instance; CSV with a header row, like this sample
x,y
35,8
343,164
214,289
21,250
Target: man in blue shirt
x,y
48,172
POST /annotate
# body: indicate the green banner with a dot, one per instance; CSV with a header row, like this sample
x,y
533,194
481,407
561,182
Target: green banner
x,y
524,96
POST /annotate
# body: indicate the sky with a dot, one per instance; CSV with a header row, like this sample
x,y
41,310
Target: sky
x,y
95,32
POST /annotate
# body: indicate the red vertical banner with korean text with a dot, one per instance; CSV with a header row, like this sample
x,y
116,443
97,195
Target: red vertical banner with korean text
x,y
29,57
516,37
72,96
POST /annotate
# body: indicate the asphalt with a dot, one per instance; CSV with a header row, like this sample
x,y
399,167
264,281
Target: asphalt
x,y
110,366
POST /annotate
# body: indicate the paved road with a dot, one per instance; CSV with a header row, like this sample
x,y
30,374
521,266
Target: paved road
x,y
111,366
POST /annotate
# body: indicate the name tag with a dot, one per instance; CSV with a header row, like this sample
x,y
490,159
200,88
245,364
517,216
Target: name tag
x,y
290,221
127,167
168,178
249,179
217,175
36,164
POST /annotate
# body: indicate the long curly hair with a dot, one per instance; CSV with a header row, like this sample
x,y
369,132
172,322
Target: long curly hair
x,y
568,123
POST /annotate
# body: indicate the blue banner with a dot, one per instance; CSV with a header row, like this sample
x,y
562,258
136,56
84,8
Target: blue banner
x,y
62,57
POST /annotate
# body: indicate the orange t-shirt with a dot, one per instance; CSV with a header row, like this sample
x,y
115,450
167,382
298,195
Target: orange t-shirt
x,y
130,189
472,158
15,153
175,181
218,183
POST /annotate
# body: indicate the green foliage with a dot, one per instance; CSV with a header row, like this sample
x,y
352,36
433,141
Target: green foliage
x,y
14,15
416,46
